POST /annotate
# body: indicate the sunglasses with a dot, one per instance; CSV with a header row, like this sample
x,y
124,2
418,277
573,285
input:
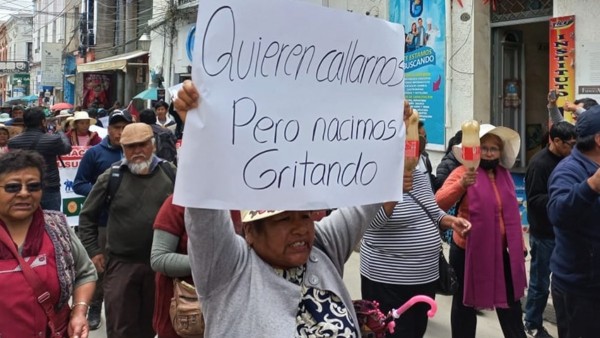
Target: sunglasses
x,y
13,188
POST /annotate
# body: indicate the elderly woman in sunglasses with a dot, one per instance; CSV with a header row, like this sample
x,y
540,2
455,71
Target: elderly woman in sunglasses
x,y
43,266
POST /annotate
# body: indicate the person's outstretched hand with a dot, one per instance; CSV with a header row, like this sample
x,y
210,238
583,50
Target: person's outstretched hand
x,y
458,224
407,110
468,178
552,97
187,98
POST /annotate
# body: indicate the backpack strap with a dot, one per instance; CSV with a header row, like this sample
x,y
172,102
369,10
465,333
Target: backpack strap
x,y
167,169
113,182
115,178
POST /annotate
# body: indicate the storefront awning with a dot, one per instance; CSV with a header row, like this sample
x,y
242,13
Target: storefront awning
x,y
117,62
148,94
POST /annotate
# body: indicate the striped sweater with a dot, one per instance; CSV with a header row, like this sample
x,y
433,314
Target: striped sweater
x,y
404,248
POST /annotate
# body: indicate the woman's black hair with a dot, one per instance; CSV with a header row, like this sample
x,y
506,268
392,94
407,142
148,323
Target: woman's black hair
x,y
16,160
454,141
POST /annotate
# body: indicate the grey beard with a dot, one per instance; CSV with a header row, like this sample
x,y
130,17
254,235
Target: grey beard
x,y
141,168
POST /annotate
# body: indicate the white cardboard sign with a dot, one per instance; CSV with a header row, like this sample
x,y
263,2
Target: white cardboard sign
x,y
301,108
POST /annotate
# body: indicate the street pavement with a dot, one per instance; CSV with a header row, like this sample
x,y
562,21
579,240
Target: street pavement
x,y
439,325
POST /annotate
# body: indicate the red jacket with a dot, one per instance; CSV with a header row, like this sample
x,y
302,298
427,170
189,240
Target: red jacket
x,y
22,315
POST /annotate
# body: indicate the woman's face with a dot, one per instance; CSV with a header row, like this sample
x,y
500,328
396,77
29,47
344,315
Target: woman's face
x,y
82,126
413,27
284,240
3,137
491,147
20,205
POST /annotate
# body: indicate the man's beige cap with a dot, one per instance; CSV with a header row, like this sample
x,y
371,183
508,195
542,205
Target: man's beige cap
x,y
136,133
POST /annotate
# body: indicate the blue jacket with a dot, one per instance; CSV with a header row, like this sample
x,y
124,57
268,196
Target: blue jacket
x,y
95,161
574,211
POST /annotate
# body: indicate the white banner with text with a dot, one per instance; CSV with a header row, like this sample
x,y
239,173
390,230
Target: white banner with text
x,y
301,108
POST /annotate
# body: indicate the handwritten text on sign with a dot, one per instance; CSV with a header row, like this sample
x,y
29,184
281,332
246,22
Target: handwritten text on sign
x,y
301,108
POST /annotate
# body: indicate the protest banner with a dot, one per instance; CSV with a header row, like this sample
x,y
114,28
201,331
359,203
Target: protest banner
x,y
67,169
301,108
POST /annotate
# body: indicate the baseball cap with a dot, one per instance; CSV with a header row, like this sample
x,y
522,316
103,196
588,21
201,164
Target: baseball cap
x,y
119,116
588,122
136,133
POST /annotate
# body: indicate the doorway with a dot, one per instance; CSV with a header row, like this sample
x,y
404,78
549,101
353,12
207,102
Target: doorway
x,y
520,83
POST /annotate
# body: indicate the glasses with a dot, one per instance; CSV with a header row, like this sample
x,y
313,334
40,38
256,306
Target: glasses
x,y
13,188
490,150
571,144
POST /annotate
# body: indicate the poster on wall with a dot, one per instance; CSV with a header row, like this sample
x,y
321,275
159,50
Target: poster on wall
x,y
588,72
67,169
562,59
425,60
96,90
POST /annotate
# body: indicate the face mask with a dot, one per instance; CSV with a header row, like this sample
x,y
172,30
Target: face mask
x,y
489,164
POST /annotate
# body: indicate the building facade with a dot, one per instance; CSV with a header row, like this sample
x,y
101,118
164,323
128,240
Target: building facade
x,y
112,65
15,49
54,35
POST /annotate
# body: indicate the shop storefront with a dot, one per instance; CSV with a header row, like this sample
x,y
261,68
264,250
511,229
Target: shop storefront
x,y
116,78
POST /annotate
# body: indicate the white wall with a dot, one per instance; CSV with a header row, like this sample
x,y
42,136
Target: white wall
x,y
587,39
19,33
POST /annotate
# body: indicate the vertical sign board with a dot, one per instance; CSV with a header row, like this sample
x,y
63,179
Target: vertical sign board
x,y
425,59
67,169
562,59
52,64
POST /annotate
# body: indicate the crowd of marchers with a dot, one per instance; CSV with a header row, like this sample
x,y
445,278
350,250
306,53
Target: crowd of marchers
x,y
278,273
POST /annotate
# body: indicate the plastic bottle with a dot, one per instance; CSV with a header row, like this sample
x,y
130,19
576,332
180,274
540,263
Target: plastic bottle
x,y
471,146
411,148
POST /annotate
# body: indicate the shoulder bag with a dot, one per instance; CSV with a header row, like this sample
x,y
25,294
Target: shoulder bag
x,y
185,310
448,282
57,322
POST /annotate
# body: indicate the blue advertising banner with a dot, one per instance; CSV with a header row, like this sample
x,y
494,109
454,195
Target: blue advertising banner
x,y
69,87
425,60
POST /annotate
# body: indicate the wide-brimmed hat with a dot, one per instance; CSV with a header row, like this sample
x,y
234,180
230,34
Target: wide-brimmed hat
x,y
255,215
511,144
4,117
64,113
80,116
136,133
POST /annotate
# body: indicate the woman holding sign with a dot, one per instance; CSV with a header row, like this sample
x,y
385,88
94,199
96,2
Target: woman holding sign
x,y
489,264
284,279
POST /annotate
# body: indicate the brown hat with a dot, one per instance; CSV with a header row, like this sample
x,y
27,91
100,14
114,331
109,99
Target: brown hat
x,y
136,133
